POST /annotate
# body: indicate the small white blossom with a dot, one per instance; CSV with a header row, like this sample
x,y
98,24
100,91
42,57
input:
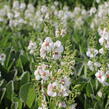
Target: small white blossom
x,y
52,89
30,7
2,58
64,91
22,6
57,33
99,93
10,15
100,75
90,65
44,9
98,1
73,106
47,44
32,47
101,51
43,53
97,64
92,11
62,104
92,52
16,4
66,81
58,49
42,73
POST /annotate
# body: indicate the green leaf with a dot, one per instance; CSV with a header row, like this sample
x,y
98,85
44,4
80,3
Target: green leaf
x,y
27,94
2,94
25,77
88,90
10,90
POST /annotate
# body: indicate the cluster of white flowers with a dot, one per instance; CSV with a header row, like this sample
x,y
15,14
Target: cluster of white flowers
x,y
48,46
42,73
104,39
95,63
79,15
100,14
2,58
32,47
61,32
60,88
63,105
52,86
21,14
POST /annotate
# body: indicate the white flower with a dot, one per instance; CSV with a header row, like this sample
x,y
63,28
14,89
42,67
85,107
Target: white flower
x,y
90,65
56,3
52,89
107,74
63,32
22,6
101,40
97,64
98,1
99,93
31,7
40,108
42,73
58,49
16,4
44,9
47,44
10,15
32,47
66,81
101,51
21,21
6,8
43,53
37,76
100,75
91,52
92,10
104,40
64,91
57,33
62,104
2,19
17,14
73,106
46,16
56,55
2,58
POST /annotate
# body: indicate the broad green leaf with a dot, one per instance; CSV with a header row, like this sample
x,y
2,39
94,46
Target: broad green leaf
x,y
25,77
27,94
